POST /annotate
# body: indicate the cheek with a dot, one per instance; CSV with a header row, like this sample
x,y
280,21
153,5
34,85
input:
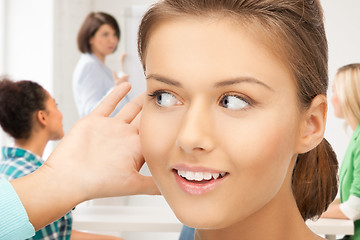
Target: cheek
x,y
334,101
336,105
157,136
262,150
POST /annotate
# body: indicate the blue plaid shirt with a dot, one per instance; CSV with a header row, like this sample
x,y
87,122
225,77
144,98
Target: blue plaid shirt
x,y
17,162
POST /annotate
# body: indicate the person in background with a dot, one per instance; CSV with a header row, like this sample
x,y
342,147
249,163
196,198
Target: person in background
x,y
98,37
346,103
30,115
232,127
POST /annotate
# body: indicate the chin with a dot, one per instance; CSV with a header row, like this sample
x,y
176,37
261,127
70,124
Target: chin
x,y
57,137
200,218
203,222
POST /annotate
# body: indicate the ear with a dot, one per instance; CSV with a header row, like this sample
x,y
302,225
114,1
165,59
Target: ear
x,y
313,125
41,118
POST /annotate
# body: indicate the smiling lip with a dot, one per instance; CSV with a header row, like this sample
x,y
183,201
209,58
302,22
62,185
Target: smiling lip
x,y
198,181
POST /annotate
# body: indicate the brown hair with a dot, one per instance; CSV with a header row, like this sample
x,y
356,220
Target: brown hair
x,y
91,24
294,31
19,101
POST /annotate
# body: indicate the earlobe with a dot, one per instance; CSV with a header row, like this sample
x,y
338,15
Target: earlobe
x,y
313,125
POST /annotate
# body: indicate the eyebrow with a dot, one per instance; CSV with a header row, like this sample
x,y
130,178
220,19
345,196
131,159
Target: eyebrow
x,y
238,80
164,80
219,84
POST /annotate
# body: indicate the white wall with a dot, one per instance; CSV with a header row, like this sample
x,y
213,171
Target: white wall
x,y
27,42
342,23
3,137
2,33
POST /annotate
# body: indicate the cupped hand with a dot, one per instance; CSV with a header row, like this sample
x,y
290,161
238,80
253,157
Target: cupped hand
x,y
101,156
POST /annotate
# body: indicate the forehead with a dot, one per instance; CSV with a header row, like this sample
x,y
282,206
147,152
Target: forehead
x,y
106,27
215,48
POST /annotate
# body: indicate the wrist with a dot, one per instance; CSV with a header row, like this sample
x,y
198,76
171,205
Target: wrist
x,y
61,183
44,196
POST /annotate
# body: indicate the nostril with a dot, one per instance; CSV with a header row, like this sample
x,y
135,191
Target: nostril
x,y
188,146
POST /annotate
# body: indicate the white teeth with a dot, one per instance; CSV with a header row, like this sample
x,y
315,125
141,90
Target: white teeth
x,y
199,176
207,176
215,175
190,175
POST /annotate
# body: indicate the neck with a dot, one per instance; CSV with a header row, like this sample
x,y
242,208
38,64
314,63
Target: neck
x,y
33,144
101,57
353,123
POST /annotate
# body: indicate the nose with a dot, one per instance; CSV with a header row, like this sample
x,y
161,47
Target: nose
x,y
195,134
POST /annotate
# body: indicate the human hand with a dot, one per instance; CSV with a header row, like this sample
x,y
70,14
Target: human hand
x,y
101,156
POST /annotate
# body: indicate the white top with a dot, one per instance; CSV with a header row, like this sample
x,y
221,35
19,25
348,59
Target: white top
x,y
351,208
92,81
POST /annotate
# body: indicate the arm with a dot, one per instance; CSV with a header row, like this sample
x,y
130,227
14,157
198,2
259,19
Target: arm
x,y
99,157
351,206
76,235
349,209
334,211
121,76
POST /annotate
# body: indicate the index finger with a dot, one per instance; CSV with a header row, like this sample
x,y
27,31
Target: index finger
x,y
109,103
131,109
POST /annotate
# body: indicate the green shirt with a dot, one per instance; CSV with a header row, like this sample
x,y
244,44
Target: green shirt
x,y
349,175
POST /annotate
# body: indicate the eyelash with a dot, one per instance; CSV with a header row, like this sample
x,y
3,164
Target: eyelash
x,y
156,93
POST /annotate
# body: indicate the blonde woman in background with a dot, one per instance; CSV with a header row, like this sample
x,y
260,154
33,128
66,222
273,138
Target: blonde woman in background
x,y
346,102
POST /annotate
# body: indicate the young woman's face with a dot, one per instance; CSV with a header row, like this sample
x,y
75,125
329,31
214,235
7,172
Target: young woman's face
x,y
55,117
220,125
104,41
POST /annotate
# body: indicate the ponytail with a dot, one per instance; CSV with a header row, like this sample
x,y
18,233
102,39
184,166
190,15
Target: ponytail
x,y
314,180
